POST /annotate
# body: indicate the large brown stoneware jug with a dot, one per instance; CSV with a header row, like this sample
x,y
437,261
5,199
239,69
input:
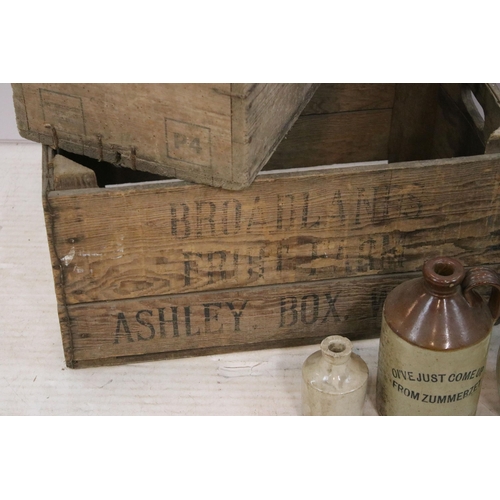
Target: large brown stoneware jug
x,y
434,340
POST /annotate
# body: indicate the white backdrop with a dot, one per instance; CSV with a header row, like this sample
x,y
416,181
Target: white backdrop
x,y
8,128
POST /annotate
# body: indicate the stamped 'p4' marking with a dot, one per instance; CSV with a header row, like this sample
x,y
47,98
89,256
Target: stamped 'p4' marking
x,y
188,143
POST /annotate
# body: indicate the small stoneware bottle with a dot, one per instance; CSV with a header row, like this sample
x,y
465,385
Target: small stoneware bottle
x,y
434,341
334,380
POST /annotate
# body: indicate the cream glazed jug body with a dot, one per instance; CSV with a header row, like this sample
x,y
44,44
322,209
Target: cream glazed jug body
x,y
334,380
434,340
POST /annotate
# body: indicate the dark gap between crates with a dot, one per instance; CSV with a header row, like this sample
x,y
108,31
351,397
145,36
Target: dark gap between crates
x,y
109,174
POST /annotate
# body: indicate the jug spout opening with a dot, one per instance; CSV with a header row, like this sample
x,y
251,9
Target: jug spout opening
x,y
443,275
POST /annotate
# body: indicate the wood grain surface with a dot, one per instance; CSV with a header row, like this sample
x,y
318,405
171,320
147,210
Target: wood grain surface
x,y
240,319
488,97
171,238
270,110
342,123
216,134
413,119
323,139
172,269
68,174
342,97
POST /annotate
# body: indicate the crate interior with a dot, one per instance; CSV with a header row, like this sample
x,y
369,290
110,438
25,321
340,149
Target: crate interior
x,y
348,123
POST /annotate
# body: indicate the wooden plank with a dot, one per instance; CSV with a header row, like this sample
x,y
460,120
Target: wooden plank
x,y
270,110
413,120
342,97
488,95
455,133
163,239
334,138
56,262
433,121
68,174
249,318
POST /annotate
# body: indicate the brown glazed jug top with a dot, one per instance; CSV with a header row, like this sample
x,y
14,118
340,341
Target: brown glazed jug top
x,y
433,311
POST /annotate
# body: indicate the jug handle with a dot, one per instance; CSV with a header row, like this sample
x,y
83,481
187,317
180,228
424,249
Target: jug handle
x,y
482,276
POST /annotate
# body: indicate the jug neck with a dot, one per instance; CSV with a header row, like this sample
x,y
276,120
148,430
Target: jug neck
x,y
336,349
443,276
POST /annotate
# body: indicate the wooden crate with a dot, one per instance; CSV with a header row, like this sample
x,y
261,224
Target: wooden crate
x,y
171,269
215,134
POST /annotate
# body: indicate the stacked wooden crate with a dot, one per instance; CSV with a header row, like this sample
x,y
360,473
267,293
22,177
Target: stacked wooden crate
x,y
169,268
215,134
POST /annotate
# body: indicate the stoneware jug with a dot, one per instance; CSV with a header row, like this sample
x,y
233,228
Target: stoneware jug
x,y
434,340
334,380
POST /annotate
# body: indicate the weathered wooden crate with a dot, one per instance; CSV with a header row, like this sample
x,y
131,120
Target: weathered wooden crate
x,y
168,269
215,134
